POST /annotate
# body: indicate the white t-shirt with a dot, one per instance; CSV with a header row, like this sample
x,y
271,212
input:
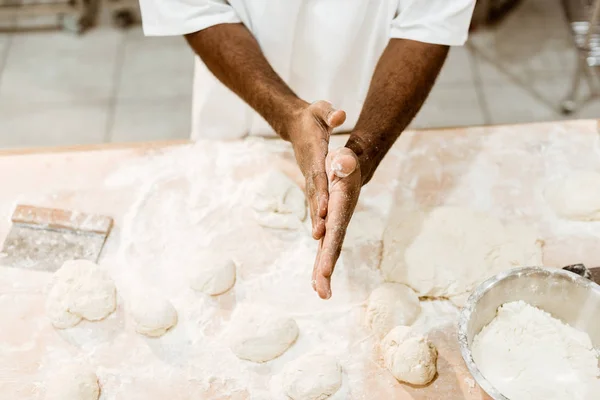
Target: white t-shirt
x,y
323,49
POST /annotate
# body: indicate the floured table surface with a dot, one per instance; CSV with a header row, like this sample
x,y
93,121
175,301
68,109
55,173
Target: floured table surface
x,y
172,205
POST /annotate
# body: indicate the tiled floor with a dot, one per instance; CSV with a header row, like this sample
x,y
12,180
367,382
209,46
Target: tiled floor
x,y
114,86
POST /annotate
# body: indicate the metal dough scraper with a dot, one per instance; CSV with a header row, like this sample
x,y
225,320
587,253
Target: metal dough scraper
x,y
44,238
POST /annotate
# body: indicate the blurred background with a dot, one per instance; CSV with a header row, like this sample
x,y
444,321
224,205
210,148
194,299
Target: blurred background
x,y
83,73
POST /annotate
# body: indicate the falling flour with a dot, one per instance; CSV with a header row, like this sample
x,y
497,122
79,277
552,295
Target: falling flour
x,y
527,354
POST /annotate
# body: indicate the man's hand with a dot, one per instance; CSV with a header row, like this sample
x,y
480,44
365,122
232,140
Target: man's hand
x,y
309,132
344,179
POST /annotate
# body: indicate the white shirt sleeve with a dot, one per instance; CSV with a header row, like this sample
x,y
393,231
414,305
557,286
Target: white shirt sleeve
x,y
443,22
180,17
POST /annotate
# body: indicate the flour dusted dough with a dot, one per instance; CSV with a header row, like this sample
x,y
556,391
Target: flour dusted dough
x,y
527,354
576,197
279,203
312,377
81,290
409,357
259,336
73,382
390,305
448,251
153,315
216,278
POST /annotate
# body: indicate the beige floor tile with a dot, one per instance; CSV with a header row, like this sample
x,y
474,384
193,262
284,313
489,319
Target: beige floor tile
x,y
534,38
137,121
450,106
510,103
155,67
60,67
457,68
52,125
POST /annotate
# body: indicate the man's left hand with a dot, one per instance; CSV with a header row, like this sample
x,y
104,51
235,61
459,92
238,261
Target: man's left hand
x,y
344,177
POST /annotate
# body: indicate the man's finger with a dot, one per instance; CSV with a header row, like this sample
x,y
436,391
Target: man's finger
x,y
313,281
341,163
318,198
327,114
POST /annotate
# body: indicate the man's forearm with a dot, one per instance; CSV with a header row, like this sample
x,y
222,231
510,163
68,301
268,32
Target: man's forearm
x,y
234,56
401,82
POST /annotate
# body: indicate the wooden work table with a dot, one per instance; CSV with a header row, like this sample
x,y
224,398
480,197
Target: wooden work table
x,y
501,170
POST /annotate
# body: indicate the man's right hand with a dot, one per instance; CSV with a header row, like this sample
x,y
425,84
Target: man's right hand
x,y
309,132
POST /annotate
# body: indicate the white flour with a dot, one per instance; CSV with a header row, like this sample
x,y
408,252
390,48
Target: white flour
x,y
193,202
529,355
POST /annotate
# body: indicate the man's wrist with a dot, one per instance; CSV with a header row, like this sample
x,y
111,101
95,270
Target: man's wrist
x,y
367,163
291,111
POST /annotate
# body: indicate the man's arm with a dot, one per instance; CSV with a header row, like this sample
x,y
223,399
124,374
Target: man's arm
x,y
401,82
234,56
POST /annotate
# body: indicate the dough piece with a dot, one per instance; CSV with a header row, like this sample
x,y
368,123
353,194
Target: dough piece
x,y
390,305
527,354
312,377
409,357
153,315
73,382
259,336
576,197
216,279
81,290
279,202
449,251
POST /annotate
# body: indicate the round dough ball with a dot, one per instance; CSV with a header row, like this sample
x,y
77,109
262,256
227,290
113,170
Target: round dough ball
x,y
410,358
216,279
576,197
153,315
73,382
81,290
447,251
312,377
279,203
261,337
390,305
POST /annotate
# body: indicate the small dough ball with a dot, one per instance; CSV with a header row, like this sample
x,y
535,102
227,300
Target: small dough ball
x,y
312,377
216,279
259,336
153,316
81,290
279,203
73,382
390,305
409,357
576,197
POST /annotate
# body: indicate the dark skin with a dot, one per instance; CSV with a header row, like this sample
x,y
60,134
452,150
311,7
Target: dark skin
x,y
400,84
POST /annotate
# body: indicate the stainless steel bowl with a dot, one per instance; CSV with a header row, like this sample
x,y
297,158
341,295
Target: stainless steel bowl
x,y
565,295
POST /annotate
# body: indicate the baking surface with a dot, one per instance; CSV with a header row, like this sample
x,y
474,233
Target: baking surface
x,y
172,204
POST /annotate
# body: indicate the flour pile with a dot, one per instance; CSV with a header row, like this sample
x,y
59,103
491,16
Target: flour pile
x,y
529,355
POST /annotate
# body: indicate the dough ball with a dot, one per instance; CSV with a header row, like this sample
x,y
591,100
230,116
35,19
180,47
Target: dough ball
x,y
81,290
390,305
410,358
312,377
576,197
216,279
73,382
259,336
450,250
152,315
279,203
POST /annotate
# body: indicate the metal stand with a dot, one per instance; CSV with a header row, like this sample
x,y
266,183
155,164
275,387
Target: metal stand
x,y
584,19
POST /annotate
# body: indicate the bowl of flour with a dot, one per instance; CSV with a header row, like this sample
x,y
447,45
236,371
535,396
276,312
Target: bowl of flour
x,y
533,333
